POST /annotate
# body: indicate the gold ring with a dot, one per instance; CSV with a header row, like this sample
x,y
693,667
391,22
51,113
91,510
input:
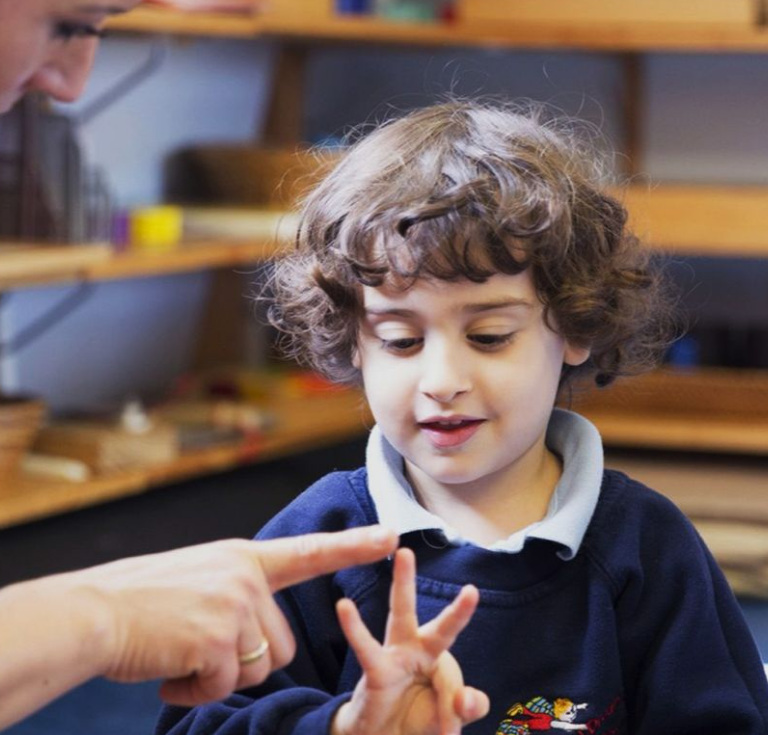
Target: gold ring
x,y
253,656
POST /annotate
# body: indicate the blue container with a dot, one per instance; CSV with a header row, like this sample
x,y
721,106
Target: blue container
x,y
353,7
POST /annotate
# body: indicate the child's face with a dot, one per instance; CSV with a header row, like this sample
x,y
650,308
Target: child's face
x,y
462,377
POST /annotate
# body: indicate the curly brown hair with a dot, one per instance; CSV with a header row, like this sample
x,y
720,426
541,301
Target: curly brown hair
x,y
463,190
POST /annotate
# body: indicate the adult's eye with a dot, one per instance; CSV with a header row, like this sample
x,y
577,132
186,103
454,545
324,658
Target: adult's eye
x,y
68,30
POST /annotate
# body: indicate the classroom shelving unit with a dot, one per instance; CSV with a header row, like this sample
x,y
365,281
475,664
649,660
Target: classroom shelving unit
x,y
683,219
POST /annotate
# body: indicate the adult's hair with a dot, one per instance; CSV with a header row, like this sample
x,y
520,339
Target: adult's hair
x,y
463,190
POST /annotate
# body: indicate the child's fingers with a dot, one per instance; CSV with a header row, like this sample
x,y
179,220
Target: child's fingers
x,y
471,704
402,623
439,634
365,646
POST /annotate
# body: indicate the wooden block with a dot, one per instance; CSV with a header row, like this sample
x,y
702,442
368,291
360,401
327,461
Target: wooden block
x,y
591,12
107,448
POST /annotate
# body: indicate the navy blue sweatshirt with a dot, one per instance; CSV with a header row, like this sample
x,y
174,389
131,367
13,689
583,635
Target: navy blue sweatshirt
x,y
638,634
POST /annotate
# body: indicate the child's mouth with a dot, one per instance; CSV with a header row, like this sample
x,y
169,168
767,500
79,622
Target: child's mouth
x,y
450,432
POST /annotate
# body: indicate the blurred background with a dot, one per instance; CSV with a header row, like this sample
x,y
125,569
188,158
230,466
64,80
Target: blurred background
x,y
142,404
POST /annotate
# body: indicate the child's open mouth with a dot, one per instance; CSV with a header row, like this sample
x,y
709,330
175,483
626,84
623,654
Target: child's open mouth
x,y
450,432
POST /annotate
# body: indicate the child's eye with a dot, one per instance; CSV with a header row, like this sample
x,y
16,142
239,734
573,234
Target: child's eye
x,y
401,345
67,30
491,341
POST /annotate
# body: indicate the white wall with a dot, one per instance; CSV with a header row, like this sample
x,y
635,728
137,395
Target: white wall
x,y
134,337
206,90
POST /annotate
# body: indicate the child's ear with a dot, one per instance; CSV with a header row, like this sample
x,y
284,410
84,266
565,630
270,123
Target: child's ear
x,y
575,355
356,363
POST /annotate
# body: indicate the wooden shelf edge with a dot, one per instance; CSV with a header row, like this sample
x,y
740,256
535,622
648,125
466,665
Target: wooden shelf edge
x,y
682,433
176,22
338,416
700,219
631,38
50,265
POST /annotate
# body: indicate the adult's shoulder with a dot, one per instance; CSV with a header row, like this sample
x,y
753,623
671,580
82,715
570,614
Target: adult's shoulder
x,y
337,501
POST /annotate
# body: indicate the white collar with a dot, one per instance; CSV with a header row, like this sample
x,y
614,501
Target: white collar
x,y
570,510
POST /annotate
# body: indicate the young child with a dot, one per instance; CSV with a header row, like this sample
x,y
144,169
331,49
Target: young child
x,y
463,264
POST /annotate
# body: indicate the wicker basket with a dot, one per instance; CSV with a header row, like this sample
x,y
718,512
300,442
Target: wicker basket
x,y
20,419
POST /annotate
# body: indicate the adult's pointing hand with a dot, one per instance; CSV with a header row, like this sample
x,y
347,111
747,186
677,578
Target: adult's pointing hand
x,y
187,616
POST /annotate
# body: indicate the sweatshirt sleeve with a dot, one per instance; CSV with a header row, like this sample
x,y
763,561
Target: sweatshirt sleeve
x,y
692,665
302,698
290,710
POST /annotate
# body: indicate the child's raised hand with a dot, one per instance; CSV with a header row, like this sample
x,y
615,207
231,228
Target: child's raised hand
x,y
411,685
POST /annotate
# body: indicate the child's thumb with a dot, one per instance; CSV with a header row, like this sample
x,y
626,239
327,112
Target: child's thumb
x,y
472,704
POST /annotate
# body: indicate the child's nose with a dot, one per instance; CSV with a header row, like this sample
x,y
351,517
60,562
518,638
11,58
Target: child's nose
x,y
445,376
64,73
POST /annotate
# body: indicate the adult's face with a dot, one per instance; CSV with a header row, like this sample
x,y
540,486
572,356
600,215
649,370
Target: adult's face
x,y
48,45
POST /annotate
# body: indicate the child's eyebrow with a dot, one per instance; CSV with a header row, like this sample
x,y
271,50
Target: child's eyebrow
x,y
503,303
385,311
476,308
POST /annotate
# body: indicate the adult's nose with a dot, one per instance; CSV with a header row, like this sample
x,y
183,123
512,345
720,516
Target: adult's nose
x,y
64,73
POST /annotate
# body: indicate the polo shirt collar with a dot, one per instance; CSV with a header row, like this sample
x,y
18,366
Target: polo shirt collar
x,y
573,438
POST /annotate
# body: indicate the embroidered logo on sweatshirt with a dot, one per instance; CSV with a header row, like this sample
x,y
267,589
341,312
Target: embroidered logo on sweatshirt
x,y
543,715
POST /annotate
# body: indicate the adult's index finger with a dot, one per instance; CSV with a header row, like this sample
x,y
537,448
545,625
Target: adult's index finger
x,y
293,559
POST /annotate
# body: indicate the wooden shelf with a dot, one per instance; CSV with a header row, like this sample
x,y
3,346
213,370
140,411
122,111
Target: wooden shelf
x,y
721,434
303,423
703,410
159,20
721,221
319,420
24,266
652,37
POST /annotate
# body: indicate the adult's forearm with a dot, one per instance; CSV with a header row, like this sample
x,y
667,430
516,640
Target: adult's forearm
x,y
52,636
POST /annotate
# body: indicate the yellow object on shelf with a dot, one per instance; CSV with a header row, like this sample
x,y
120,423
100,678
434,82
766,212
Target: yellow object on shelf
x,y
156,229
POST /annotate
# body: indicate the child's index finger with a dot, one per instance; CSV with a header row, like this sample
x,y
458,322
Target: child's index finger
x,y
365,647
403,622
